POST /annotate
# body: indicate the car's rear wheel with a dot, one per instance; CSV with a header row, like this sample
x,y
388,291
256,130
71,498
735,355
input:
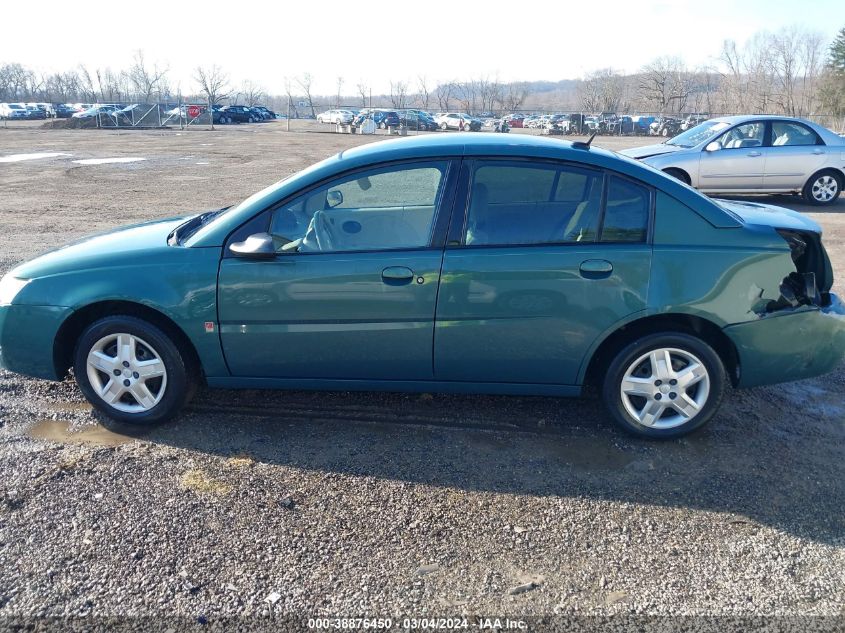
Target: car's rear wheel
x,y
132,371
823,188
664,385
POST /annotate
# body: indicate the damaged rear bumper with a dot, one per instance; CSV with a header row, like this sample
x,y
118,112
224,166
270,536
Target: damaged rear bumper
x,y
790,344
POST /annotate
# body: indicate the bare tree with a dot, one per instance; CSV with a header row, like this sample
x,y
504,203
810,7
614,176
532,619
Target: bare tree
x,y
444,91
602,91
339,84
252,92
423,92
514,96
665,84
213,83
363,92
147,81
305,82
399,94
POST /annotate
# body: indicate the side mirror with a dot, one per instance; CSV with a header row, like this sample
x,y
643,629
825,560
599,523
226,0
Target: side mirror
x,y
334,198
256,246
713,146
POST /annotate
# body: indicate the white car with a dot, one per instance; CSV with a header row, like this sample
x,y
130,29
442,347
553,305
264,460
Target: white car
x,y
754,154
95,110
336,116
13,111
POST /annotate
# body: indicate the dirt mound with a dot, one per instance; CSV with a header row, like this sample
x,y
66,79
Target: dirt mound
x,y
71,124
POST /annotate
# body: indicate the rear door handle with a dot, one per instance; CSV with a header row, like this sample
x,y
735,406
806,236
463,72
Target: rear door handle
x,y
397,274
754,154
595,268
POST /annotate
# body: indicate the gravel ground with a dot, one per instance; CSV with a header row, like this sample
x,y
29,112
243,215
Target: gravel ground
x,y
384,505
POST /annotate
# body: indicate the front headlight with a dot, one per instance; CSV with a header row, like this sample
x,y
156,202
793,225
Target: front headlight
x,y
9,289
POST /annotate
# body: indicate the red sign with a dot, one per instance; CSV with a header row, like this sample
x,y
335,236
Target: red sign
x,y
193,111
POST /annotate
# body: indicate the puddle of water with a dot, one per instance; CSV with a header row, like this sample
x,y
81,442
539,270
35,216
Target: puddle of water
x,y
103,161
203,163
61,431
17,158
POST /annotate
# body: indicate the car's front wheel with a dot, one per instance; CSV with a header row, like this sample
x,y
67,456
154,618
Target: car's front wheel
x,y
664,385
132,371
823,188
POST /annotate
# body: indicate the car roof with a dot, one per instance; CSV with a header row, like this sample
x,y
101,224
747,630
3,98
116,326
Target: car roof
x,y
829,136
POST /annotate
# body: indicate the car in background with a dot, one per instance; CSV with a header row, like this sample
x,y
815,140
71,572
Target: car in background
x,y
422,264
692,120
265,113
417,120
514,120
12,111
40,110
96,110
381,117
239,114
343,117
35,113
754,154
458,121
642,124
63,110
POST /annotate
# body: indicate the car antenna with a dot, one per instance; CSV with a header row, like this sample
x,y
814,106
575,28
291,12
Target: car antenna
x,y
584,144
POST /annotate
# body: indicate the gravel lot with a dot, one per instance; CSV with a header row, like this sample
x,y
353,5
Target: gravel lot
x,y
379,505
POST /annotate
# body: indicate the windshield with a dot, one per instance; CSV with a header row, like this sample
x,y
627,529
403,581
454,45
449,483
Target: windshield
x,y
698,134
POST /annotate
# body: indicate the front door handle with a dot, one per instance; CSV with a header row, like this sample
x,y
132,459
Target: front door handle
x,y
595,268
755,154
397,274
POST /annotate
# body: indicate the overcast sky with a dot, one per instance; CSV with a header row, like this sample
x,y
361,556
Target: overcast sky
x,y
266,41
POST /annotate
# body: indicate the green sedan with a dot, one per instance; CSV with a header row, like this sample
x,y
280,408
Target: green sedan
x,y
464,263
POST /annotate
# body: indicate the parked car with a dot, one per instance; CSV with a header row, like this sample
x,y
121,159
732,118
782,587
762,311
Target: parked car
x,y
63,110
96,110
458,121
238,114
40,110
344,117
754,154
692,120
13,111
667,126
514,120
417,120
642,124
382,118
265,113
628,280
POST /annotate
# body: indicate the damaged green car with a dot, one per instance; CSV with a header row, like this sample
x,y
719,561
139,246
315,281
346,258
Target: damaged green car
x,y
455,263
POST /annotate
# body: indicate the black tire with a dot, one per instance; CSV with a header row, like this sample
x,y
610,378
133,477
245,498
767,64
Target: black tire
x,y
677,174
826,175
444,127
181,376
630,355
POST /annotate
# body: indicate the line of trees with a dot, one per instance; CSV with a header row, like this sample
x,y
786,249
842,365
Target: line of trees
x,y
786,72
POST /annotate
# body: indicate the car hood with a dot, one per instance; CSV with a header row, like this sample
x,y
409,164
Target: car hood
x,y
648,151
123,244
768,215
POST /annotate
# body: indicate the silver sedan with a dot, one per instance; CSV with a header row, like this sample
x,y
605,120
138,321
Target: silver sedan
x,y
754,154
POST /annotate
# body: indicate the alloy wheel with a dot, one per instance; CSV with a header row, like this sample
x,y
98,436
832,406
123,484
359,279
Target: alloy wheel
x,y
665,388
824,188
126,372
